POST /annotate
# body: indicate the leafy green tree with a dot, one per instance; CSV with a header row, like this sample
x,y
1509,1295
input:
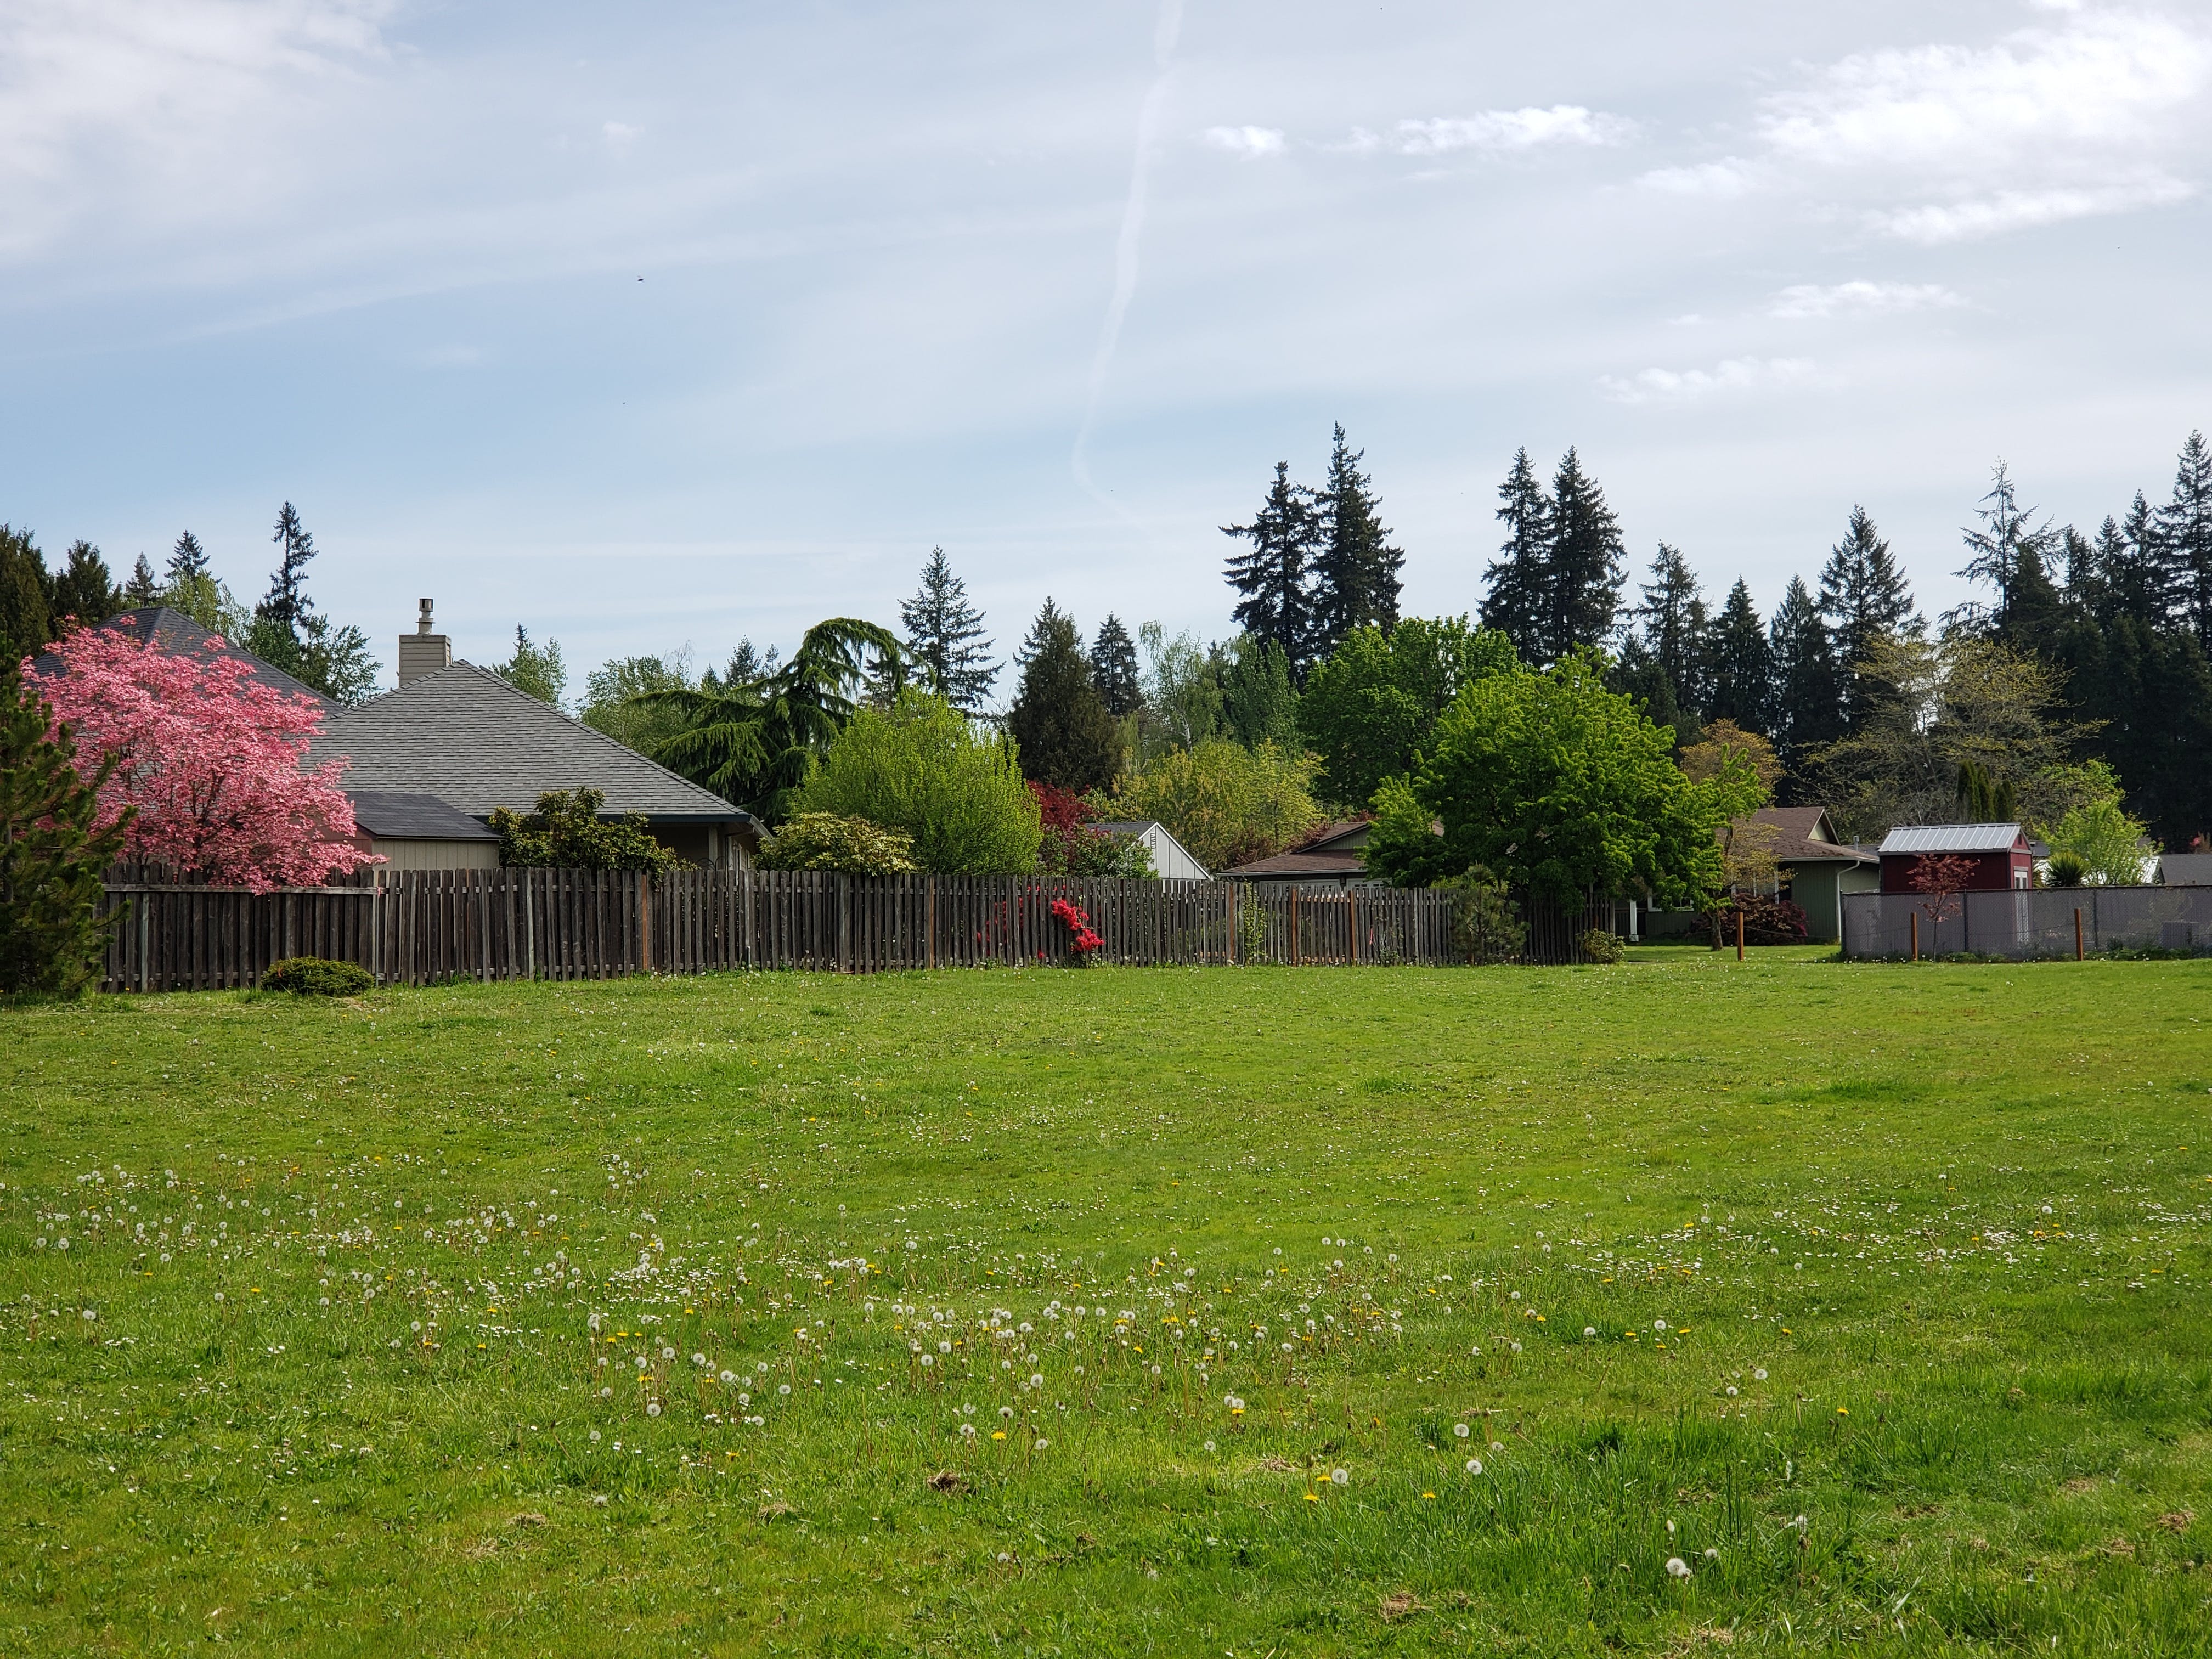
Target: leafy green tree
x,y
539,669
53,850
1514,603
1582,573
2111,846
1258,701
611,694
1114,669
1275,573
1372,706
944,639
752,741
84,588
1066,737
1182,698
922,768
567,831
1227,804
847,846
1863,598
208,601
1740,665
26,623
1807,712
1551,784
1355,579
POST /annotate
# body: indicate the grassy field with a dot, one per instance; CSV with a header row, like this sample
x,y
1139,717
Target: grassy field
x,y
1222,1311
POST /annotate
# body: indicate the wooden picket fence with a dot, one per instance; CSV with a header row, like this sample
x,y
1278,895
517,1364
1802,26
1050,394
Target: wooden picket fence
x,y
423,926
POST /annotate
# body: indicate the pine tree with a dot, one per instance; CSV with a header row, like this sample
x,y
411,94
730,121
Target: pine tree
x,y
1675,623
1356,581
1272,576
2032,608
1065,736
84,588
289,632
143,589
26,623
1583,574
1514,605
1114,669
2136,577
1863,598
1739,665
1806,711
189,560
1995,550
943,631
286,602
2185,539
52,854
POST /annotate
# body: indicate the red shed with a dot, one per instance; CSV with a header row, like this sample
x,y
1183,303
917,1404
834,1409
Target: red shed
x,y
2002,862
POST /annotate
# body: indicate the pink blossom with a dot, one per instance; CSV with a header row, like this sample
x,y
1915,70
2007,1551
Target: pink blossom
x,y
213,760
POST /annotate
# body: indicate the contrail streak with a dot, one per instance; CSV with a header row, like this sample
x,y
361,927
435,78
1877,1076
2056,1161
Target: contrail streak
x,y
1165,30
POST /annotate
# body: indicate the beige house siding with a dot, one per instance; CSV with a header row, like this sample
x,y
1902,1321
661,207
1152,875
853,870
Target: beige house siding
x,y
435,854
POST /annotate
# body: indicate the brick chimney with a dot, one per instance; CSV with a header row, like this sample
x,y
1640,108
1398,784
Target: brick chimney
x,y
423,652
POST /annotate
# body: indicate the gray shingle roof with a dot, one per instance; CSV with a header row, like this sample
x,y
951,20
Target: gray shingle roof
x,y
390,816
179,636
469,738
1950,838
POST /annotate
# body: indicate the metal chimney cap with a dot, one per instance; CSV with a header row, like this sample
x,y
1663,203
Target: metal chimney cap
x,y
422,622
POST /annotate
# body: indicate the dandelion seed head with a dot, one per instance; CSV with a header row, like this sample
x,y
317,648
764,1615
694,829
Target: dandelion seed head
x,y
1677,1567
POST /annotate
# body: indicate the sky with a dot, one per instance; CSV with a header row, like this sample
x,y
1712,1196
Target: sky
x,y
655,325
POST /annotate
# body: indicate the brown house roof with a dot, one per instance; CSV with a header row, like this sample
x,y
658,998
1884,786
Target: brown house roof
x,y
1320,865
1804,836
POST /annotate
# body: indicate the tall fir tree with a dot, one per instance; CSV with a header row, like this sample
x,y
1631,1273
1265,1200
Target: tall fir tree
x,y
1514,601
1807,709
1583,573
26,623
53,851
144,588
286,602
189,560
1356,581
945,637
1114,669
1065,736
2135,569
1864,596
84,588
287,630
1674,624
2185,539
1273,575
1994,550
1740,671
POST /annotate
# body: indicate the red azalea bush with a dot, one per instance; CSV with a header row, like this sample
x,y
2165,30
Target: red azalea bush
x,y
212,759
1078,922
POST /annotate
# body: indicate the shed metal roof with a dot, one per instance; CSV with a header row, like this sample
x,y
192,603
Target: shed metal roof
x,y
390,815
1951,838
467,737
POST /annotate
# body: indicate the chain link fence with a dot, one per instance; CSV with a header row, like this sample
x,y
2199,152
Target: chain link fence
x,y
2046,921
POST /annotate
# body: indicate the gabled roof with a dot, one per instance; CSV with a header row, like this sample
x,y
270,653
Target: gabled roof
x,y
389,815
1953,838
1320,866
1803,835
1139,829
478,744
177,634
1345,833
2186,869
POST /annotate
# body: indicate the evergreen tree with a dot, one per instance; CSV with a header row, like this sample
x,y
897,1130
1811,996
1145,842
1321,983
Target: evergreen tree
x,y
1514,606
1674,623
1583,574
1272,576
943,631
1259,703
1066,737
143,589
2135,577
26,623
188,559
286,602
84,588
1863,598
1638,674
289,632
1807,709
1356,582
1739,665
1114,669
1995,550
2032,608
2185,539
52,854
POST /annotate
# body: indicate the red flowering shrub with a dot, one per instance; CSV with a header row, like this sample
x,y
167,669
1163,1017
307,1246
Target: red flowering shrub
x,y
1085,939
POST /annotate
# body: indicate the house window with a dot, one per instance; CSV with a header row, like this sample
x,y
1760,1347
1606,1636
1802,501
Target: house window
x,y
2022,880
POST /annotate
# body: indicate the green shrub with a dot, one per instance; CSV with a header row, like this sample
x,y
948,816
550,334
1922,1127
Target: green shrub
x,y
2069,869
849,846
566,832
318,976
1598,945
1487,926
922,768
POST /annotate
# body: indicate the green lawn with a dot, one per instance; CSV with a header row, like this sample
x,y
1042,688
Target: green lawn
x,y
584,1319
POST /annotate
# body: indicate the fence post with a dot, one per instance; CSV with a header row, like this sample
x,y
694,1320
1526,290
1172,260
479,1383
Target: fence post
x,y
1739,932
1913,915
2077,932
1352,921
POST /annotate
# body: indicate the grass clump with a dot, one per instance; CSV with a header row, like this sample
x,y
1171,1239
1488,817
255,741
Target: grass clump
x,y
318,976
1331,1310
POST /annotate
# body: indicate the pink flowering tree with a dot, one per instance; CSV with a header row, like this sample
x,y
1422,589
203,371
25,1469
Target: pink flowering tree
x,y
213,761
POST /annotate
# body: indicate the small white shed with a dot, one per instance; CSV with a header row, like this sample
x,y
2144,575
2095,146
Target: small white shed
x,y
1170,859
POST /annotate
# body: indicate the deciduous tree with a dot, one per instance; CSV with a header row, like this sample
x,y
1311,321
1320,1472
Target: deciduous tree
x,y
1227,804
1374,703
922,768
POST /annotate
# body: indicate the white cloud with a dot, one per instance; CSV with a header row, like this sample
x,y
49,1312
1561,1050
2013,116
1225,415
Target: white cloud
x,y
620,134
1860,298
1510,129
1250,142
1735,375
1720,179
2023,209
